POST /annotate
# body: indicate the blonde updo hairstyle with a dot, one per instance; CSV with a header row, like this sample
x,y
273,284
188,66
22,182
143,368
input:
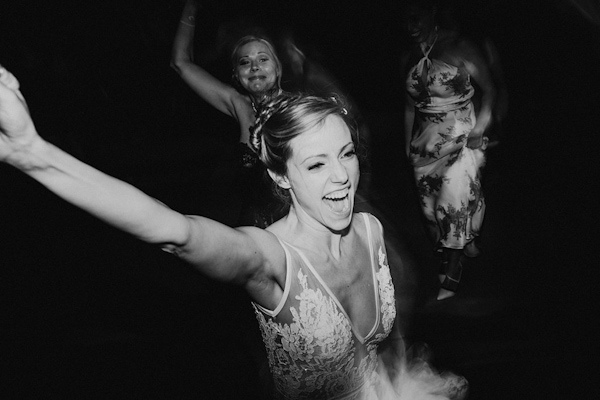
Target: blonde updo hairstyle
x,y
286,117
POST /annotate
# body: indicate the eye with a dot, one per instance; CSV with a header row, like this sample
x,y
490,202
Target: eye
x,y
244,62
315,166
350,153
264,59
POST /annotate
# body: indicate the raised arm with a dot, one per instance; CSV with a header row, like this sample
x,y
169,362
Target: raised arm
x,y
218,94
243,256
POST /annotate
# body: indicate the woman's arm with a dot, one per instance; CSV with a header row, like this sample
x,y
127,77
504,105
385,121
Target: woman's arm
x,y
243,256
478,69
218,94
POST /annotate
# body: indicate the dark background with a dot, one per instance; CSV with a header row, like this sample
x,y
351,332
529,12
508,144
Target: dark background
x,y
88,312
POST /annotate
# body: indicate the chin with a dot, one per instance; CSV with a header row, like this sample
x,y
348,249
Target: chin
x,y
340,223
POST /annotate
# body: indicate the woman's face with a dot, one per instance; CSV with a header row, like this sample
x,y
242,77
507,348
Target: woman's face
x,y
256,68
323,174
420,23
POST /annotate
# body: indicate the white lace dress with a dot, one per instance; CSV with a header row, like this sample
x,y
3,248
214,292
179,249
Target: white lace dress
x,y
314,350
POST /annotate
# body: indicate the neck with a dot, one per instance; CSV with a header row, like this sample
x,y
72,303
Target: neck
x,y
310,234
432,36
262,97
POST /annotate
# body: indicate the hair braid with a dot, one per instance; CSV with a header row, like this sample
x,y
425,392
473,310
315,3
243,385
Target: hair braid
x,y
263,114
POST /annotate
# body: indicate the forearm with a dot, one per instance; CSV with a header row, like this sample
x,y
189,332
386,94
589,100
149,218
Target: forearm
x,y
111,200
183,45
484,116
212,90
409,118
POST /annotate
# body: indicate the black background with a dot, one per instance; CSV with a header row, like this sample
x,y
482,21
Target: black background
x,y
88,312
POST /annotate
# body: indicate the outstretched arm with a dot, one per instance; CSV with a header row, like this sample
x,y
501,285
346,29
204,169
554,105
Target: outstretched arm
x,y
213,91
234,255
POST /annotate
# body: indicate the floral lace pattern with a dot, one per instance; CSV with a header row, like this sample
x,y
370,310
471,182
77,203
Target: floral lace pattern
x,y
317,355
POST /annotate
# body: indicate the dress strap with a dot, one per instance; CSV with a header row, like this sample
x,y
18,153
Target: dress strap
x,y
424,63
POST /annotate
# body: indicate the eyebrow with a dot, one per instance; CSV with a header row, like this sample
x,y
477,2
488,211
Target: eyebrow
x,y
322,155
258,54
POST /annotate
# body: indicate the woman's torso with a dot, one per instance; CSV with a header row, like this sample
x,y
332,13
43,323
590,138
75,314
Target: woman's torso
x,y
322,337
437,79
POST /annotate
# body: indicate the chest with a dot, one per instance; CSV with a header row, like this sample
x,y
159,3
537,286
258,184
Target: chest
x,y
353,284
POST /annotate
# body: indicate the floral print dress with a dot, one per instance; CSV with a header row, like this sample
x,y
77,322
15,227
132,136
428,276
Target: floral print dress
x,y
314,349
446,170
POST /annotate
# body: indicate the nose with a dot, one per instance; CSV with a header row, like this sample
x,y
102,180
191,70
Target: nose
x,y
339,174
254,66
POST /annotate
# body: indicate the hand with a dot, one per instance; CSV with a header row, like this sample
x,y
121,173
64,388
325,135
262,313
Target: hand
x,y
16,127
475,140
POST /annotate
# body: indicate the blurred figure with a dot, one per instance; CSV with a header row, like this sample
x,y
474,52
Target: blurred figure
x,y
444,136
303,72
256,77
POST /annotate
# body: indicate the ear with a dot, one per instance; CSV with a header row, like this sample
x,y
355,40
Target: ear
x,y
281,180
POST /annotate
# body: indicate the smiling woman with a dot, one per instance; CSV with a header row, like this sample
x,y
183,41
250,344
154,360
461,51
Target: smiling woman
x,y
256,73
324,165
256,68
319,278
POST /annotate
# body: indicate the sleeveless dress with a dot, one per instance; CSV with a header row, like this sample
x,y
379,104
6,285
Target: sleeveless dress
x,y
313,348
446,170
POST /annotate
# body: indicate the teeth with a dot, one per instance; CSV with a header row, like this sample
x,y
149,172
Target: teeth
x,y
337,195
338,202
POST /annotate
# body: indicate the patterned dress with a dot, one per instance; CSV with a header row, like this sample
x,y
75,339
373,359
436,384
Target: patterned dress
x,y
314,349
446,170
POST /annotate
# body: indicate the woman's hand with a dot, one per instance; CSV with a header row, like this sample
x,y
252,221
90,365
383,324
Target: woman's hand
x,y
477,140
17,131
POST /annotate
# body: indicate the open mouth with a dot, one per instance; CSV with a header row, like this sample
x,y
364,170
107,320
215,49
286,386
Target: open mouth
x,y
338,202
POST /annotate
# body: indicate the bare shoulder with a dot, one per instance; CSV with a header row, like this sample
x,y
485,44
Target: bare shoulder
x,y
374,224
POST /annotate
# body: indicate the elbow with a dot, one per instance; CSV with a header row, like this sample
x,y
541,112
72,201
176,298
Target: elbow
x,y
176,64
172,249
178,239
179,60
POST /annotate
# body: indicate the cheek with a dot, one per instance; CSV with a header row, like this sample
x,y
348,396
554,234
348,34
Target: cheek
x,y
273,69
240,71
306,189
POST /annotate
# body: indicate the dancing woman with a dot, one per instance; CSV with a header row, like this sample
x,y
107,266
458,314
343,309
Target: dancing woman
x,y
318,278
256,74
444,138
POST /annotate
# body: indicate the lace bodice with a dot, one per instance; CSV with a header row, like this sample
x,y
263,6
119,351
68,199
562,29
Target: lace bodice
x,y
314,349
